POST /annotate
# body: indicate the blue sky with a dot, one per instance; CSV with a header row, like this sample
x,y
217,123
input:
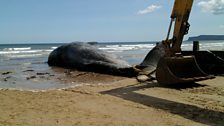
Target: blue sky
x,y
37,21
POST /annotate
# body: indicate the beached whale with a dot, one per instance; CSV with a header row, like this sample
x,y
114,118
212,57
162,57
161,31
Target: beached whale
x,y
86,57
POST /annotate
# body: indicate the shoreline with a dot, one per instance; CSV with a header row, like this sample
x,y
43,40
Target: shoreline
x,y
51,78
115,101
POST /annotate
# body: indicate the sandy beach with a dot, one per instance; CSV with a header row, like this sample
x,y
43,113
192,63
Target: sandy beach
x,y
51,51
107,100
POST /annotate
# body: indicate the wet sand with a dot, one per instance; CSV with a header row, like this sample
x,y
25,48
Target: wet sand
x,y
106,100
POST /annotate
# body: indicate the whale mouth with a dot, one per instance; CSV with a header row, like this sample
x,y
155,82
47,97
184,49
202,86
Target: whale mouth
x,y
149,64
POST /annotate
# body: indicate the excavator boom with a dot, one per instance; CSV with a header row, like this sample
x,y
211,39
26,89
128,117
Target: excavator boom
x,y
180,14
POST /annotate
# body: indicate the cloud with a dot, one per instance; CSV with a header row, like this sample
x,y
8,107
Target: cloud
x,y
149,9
213,6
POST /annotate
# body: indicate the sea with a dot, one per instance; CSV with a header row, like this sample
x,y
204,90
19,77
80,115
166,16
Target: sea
x,y
17,59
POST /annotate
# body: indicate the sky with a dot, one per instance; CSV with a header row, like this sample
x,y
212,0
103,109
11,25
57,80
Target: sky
x,y
40,21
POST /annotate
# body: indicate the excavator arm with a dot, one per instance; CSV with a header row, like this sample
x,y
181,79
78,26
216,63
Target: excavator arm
x,y
180,15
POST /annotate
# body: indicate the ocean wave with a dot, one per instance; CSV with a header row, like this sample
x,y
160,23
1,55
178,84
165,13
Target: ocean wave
x,y
54,47
137,46
117,51
117,48
204,46
212,46
120,48
24,55
17,49
17,52
48,50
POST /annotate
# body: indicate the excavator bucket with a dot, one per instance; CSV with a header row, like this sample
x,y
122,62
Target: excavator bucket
x,y
176,70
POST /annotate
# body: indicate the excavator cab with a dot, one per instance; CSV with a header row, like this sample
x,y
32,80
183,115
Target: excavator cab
x,y
171,67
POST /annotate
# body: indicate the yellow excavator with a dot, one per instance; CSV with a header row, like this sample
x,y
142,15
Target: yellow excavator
x,y
166,60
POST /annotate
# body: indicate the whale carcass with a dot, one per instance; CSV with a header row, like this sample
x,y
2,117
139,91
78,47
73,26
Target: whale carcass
x,y
86,57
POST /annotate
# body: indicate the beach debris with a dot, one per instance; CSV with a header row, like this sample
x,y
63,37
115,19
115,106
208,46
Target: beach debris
x,y
28,70
61,79
5,73
143,78
6,78
46,73
80,74
68,72
40,75
31,77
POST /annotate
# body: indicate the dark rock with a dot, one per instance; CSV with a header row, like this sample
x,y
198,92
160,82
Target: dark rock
x,y
43,73
5,73
31,77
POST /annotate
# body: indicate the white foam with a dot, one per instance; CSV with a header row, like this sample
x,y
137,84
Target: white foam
x,y
120,48
18,52
137,46
212,46
48,50
24,55
54,47
17,49
117,48
204,46
112,46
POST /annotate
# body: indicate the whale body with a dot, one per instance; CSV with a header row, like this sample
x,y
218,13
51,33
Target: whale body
x,y
86,57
